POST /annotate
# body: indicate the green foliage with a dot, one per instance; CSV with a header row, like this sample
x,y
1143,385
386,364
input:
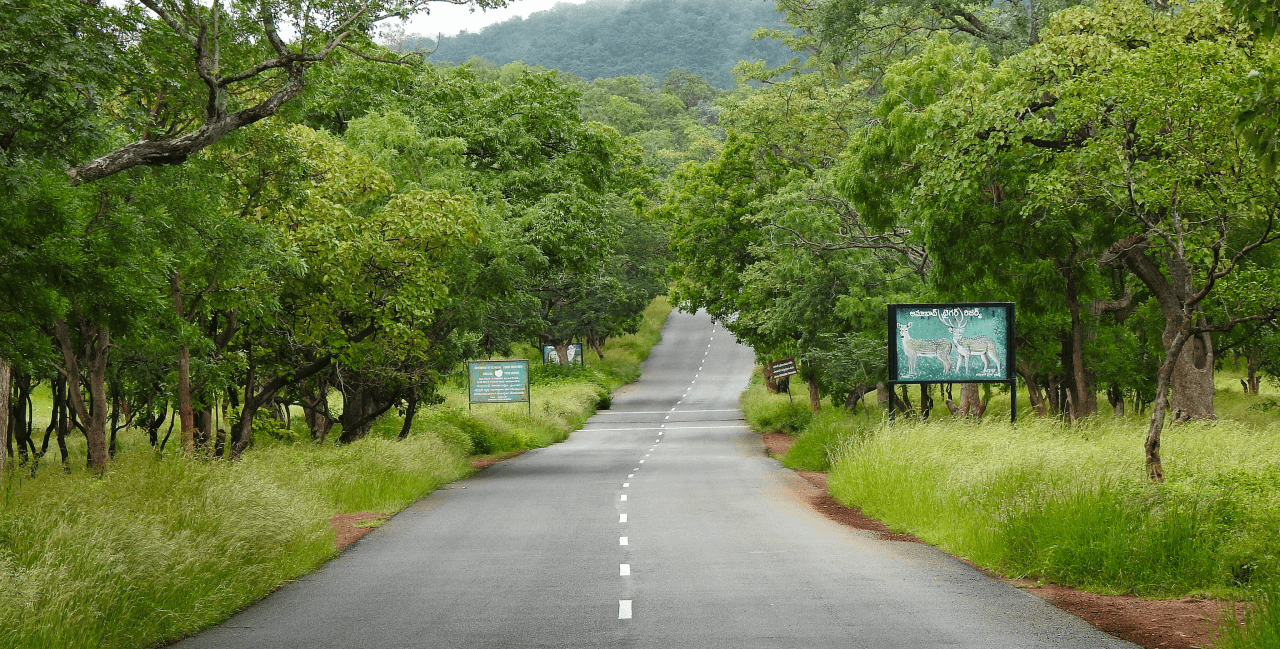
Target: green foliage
x,y
606,39
1072,505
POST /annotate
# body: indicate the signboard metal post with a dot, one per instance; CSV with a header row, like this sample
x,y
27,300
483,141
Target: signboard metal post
x,y
969,342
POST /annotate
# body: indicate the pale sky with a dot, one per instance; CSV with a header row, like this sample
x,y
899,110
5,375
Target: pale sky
x,y
450,19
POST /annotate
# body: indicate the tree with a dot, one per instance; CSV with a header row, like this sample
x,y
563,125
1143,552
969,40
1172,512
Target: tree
x,y
211,70
1112,126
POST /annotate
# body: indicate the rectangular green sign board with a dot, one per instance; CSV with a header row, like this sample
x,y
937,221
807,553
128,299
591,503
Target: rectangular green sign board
x,y
951,343
498,381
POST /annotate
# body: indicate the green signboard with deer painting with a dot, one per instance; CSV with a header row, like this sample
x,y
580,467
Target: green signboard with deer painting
x,y
951,343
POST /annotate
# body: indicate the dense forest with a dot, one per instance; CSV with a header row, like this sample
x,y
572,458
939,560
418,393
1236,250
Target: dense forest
x,y
612,38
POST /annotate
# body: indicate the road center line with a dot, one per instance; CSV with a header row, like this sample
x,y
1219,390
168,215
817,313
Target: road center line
x,y
624,609
622,540
622,518
626,484
624,497
624,570
659,412
605,430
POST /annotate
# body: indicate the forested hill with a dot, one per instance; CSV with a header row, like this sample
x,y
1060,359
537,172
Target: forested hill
x,y
607,38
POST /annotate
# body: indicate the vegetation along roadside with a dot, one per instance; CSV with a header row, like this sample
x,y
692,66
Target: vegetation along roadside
x,y
156,548
1065,504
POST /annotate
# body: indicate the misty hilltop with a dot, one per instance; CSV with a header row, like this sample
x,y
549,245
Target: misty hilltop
x,y
610,38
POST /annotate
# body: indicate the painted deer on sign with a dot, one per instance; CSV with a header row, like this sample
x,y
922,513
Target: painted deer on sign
x,y
975,346
938,348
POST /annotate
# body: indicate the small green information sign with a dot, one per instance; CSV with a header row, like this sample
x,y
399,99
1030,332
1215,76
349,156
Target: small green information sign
x,y
498,381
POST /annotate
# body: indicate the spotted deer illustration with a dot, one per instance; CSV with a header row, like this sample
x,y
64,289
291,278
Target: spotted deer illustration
x,y
974,346
939,348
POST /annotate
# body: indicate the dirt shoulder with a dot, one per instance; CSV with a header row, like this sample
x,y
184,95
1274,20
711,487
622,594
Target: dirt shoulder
x,y
1151,623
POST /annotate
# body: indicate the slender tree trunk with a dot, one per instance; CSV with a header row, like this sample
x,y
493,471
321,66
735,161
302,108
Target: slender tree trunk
x,y
815,395
1085,399
185,412
1116,397
97,343
1033,387
64,426
5,383
409,411
1155,471
1252,362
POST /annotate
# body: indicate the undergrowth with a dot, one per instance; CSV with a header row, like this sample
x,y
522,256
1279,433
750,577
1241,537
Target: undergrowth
x,y
157,548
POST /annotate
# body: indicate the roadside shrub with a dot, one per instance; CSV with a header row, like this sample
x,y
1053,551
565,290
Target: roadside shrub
x,y
1073,505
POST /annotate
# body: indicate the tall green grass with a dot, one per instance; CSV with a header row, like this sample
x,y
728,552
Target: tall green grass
x,y
1261,629
157,548
1069,503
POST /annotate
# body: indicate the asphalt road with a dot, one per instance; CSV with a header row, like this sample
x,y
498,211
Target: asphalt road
x,y
662,523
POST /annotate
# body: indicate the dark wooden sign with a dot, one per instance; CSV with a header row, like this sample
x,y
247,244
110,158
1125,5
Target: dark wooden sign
x,y
781,369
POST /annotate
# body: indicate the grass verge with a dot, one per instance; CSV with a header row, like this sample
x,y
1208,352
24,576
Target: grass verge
x,y
157,549
1066,503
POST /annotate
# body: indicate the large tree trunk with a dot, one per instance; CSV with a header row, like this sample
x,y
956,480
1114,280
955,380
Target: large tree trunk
x,y
1191,358
4,414
971,404
315,409
1191,385
97,344
363,401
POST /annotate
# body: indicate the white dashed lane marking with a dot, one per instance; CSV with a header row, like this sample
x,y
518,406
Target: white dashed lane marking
x,y
622,518
624,570
622,540
624,609
624,497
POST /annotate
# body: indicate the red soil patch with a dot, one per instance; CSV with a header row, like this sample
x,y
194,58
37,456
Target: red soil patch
x,y
1188,623
777,443
347,528
490,461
